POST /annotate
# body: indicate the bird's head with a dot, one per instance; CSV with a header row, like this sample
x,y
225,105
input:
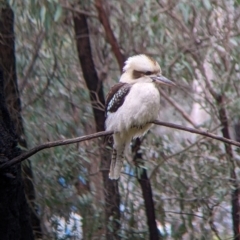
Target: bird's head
x,y
142,68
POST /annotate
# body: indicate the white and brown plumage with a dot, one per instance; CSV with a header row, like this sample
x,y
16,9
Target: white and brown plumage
x,y
132,104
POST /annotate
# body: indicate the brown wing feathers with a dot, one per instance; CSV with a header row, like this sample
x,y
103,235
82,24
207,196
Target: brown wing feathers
x,y
116,96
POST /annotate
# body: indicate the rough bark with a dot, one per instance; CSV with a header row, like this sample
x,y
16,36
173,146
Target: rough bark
x,y
8,64
145,184
94,85
14,211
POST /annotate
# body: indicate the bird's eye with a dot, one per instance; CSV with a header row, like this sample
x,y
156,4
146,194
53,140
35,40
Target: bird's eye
x,y
148,73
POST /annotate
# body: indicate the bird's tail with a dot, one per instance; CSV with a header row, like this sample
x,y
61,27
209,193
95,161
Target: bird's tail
x,y
117,161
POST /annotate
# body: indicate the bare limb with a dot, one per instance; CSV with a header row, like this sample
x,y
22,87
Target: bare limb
x,y
200,132
109,33
38,148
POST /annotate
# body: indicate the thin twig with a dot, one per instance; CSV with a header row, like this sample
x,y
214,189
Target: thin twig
x,y
39,39
38,148
79,11
179,109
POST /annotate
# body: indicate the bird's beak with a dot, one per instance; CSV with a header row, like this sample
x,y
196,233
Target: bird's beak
x,y
162,80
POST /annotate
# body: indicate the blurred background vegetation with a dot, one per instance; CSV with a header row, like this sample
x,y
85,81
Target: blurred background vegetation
x,y
194,180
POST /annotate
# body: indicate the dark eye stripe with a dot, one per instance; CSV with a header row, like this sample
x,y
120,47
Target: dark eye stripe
x,y
148,73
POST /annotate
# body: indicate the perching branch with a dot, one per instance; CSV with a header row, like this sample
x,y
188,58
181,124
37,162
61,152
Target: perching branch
x,y
200,132
38,148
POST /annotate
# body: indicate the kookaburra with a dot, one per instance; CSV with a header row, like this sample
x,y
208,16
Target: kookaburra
x,y
132,104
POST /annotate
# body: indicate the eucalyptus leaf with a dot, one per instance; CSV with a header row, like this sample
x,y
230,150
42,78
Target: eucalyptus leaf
x,y
58,13
43,13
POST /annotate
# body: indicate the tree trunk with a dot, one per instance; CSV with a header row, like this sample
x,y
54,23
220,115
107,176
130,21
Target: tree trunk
x,y
111,194
143,179
146,187
8,64
233,176
14,211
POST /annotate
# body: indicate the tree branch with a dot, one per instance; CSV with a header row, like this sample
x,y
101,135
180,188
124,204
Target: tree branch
x,y
39,39
79,11
179,109
109,33
200,132
40,147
